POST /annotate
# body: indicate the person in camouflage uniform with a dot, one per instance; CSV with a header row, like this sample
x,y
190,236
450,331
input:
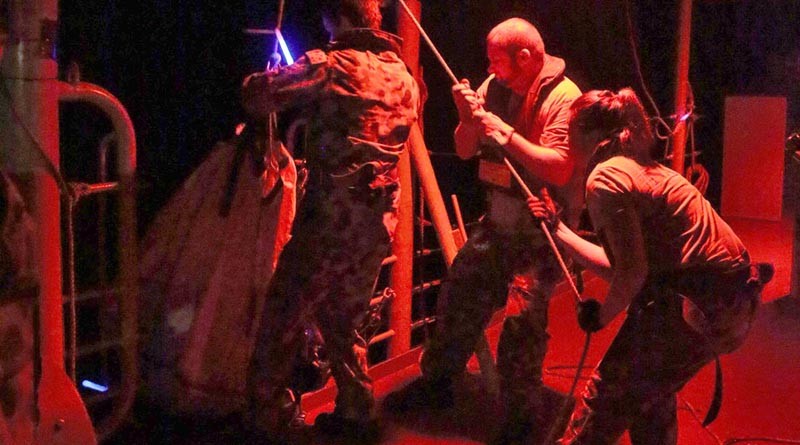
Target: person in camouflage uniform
x,y
520,111
660,241
361,102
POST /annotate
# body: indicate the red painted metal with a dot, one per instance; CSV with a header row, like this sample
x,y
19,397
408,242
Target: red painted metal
x,y
127,243
29,148
31,134
682,86
403,246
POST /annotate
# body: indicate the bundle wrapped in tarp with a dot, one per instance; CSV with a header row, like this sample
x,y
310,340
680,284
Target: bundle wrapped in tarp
x,y
205,265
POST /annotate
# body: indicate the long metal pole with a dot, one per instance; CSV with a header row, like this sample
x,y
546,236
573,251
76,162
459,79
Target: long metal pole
x,y
682,86
29,146
402,276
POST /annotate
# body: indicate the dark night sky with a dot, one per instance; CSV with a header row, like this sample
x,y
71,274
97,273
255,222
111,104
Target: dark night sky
x,y
177,67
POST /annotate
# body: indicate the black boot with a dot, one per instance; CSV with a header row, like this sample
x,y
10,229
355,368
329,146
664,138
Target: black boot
x,y
281,424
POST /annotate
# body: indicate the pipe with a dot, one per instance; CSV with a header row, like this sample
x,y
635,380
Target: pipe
x,y
402,274
682,86
29,147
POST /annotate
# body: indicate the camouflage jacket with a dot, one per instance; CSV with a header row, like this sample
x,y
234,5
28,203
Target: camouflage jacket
x,y
359,98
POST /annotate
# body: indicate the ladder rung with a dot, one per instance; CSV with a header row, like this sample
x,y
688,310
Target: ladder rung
x,y
382,336
425,286
89,295
98,347
84,189
423,321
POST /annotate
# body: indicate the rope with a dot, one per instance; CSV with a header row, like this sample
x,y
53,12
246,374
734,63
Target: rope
x,y
696,173
72,292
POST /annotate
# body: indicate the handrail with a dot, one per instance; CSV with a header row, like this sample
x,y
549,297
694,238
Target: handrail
x,y
127,244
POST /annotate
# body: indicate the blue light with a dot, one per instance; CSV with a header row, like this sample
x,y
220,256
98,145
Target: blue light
x,y
95,386
284,49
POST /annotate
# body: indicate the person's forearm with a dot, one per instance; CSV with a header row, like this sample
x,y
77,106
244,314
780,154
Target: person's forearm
x,y
467,139
546,163
587,254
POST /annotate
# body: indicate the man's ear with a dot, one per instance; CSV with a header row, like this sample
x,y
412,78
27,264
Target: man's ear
x,y
523,56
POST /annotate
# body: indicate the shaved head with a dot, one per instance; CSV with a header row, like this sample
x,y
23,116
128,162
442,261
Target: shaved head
x,y
516,34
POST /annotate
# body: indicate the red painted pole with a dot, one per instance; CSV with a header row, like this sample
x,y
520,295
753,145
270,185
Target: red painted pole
x,y
127,278
682,85
433,196
29,140
403,246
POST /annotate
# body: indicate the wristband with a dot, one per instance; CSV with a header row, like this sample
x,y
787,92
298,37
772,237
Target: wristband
x,y
510,135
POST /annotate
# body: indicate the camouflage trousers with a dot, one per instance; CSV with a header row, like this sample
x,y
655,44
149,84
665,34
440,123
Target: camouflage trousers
x,y
654,354
479,282
326,275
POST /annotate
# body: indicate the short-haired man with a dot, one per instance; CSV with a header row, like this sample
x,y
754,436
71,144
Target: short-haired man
x,y
519,112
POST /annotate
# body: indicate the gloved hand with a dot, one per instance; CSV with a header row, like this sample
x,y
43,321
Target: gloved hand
x,y
589,315
466,100
494,127
544,209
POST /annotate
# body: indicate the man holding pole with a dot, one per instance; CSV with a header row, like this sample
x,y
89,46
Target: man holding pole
x,y
519,112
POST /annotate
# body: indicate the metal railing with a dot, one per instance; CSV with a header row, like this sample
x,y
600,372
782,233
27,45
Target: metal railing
x,y
116,347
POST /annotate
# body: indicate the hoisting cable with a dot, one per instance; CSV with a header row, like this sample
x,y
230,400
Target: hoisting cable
x,y
528,194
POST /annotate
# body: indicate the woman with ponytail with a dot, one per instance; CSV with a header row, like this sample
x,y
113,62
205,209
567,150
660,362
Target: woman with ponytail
x,y
660,241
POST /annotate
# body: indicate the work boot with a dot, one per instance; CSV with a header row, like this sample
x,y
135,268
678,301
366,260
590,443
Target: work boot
x,y
282,424
423,394
349,431
547,417
554,416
